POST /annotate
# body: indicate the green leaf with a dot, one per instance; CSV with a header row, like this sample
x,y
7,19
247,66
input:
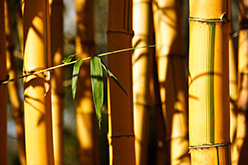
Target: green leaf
x,y
113,77
75,72
68,59
97,86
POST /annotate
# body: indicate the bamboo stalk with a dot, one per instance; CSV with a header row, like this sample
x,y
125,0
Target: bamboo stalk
x,y
141,108
57,90
233,92
86,119
37,101
162,147
3,90
120,110
13,90
242,129
172,78
209,112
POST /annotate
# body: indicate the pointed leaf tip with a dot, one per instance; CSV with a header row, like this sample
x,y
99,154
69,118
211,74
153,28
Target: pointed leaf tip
x,y
97,86
75,72
68,59
113,77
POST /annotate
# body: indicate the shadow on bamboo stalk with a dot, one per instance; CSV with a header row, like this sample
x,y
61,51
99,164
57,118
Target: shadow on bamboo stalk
x,y
13,90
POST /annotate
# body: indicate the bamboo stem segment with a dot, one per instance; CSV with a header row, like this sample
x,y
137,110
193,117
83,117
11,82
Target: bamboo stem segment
x,y
37,101
172,78
242,127
141,23
209,115
3,90
120,110
85,116
57,90
13,90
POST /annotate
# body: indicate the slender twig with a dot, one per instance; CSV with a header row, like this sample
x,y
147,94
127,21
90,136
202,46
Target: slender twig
x,y
73,62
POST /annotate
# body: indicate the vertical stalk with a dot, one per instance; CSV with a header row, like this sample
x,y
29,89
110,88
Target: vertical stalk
x,y
209,114
141,23
120,110
37,99
19,22
3,90
172,78
242,128
86,119
14,90
233,92
57,90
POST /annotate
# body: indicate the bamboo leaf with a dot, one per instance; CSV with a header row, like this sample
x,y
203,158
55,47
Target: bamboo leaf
x,y
68,59
97,86
113,77
75,72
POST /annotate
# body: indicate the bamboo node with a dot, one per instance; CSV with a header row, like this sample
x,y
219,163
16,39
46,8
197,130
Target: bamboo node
x,y
222,19
120,136
210,146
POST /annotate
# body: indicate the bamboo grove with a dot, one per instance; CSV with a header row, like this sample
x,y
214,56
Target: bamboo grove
x,y
172,87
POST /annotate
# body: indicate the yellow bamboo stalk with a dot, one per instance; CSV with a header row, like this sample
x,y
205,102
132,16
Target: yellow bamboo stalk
x,y
141,108
162,147
57,90
13,90
120,110
233,92
209,125
172,77
86,119
242,129
19,22
3,90
37,99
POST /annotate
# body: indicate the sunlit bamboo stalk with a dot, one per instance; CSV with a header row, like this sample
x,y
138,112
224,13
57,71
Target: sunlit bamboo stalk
x,y
56,17
209,114
141,108
120,110
172,78
233,92
86,119
37,97
19,22
242,128
3,90
13,90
